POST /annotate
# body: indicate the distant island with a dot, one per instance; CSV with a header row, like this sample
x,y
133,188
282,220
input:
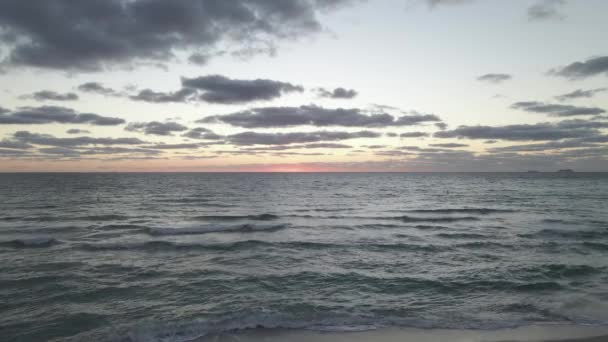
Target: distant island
x,y
565,171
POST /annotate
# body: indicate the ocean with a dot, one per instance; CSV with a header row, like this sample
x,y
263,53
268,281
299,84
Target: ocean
x,y
178,257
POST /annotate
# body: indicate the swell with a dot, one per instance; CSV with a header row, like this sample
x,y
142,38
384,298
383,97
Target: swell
x,y
161,245
260,217
244,228
480,211
34,242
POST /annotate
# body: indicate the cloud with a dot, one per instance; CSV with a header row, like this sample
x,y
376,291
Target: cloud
x,y
77,131
546,9
201,133
49,95
54,114
199,59
223,90
556,109
541,131
578,70
313,115
49,140
414,135
255,138
494,78
156,128
98,88
337,93
433,3
554,145
579,93
163,146
14,144
94,35
148,95
450,145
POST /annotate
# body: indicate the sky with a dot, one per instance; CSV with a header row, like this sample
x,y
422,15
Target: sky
x,y
303,85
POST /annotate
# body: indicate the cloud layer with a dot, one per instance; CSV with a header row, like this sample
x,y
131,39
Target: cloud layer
x,y
92,35
313,115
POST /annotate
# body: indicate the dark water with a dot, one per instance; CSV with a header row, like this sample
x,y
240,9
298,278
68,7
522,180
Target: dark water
x,y
170,257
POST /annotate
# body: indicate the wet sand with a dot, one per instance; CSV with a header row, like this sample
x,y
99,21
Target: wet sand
x,y
527,334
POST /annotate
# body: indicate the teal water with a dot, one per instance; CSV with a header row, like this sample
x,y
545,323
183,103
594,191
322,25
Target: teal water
x,y
171,257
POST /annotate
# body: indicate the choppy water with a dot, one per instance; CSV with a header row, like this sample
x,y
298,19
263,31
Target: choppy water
x,y
170,257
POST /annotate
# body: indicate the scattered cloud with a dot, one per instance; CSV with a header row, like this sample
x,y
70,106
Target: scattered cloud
x,y
77,131
449,145
313,115
414,135
98,88
156,127
337,93
556,109
255,138
494,78
221,89
54,114
49,95
579,93
148,95
201,133
546,9
541,131
579,70
49,140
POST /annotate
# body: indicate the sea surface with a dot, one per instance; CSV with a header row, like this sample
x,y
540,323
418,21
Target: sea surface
x,y
173,257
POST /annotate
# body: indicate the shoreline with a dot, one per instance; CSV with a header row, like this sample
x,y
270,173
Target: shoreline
x,y
538,333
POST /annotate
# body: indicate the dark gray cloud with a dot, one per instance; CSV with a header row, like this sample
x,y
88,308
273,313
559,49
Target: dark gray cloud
x,y
49,95
556,109
148,95
221,89
541,131
164,146
54,114
337,93
554,145
14,144
93,35
256,138
414,135
77,131
494,78
441,125
49,140
156,127
201,134
577,70
546,9
449,145
433,3
199,59
579,93
316,116
98,88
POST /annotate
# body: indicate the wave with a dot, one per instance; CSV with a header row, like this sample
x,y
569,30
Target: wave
x,y
244,228
437,219
33,242
567,234
162,245
462,236
260,217
480,211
